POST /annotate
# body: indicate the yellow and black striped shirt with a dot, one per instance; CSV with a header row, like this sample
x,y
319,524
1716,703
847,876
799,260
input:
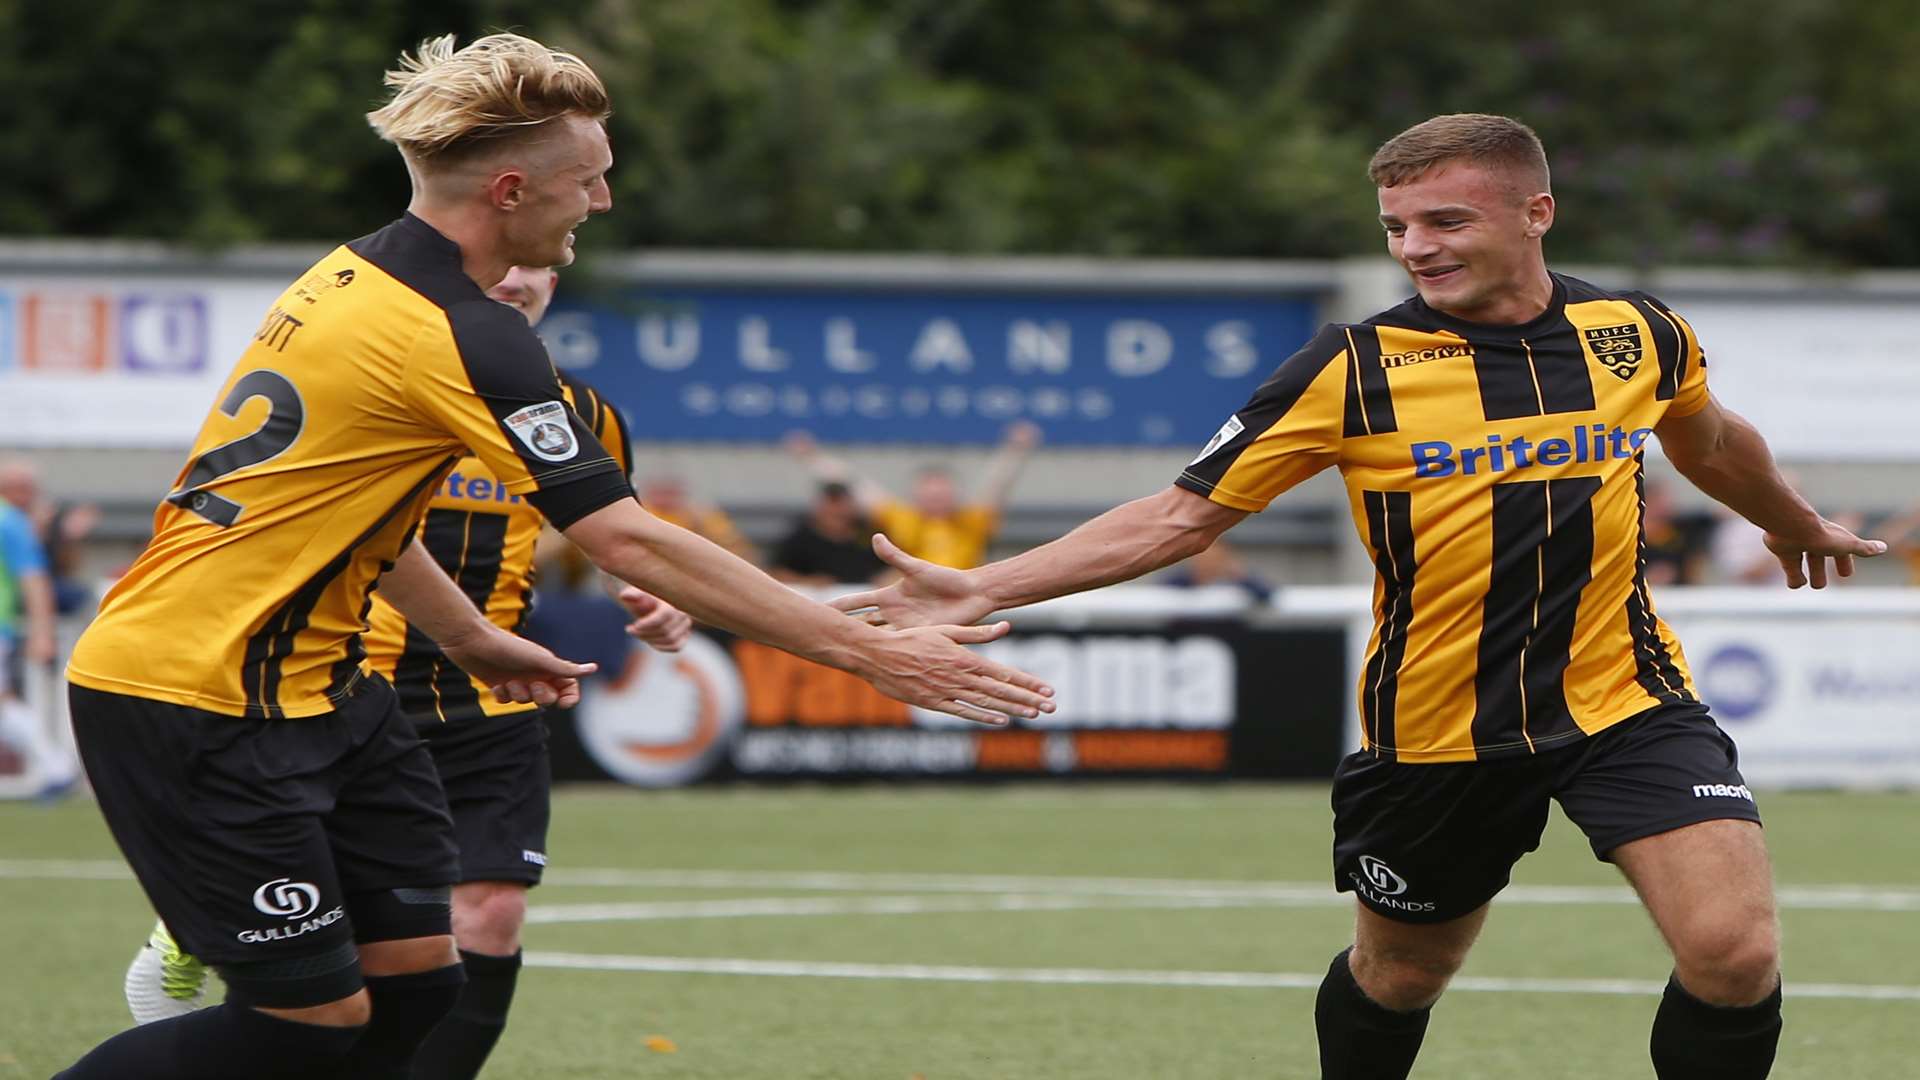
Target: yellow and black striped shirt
x,y
370,377
484,538
1496,476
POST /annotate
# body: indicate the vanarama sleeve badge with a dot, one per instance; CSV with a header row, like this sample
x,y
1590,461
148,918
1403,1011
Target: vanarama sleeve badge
x,y
1228,430
545,430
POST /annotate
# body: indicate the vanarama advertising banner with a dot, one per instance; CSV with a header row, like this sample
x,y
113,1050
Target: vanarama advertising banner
x,y
1213,698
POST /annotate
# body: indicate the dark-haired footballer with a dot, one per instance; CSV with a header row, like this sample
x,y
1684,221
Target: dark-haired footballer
x,y
1491,431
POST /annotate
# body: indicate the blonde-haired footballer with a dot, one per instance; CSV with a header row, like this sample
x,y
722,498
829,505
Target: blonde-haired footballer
x,y
491,756
274,803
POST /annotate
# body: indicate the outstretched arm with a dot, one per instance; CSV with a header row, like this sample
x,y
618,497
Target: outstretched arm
x,y
1722,454
829,469
1004,469
926,668
1119,545
516,669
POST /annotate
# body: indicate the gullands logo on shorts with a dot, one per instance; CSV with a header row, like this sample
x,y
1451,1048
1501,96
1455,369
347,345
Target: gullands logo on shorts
x,y
287,933
1594,442
290,900
286,898
1381,887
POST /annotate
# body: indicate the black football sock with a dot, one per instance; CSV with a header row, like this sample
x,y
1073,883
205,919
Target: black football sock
x,y
1361,1039
1693,1040
460,1045
222,1042
405,1010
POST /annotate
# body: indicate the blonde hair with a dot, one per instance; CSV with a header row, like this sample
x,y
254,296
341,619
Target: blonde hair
x,y
1498,141
449,103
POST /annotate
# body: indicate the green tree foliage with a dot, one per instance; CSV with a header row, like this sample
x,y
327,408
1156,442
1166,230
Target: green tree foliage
x,y
1760,133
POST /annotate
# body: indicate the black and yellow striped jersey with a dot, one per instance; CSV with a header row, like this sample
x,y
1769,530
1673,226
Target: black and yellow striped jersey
x,y
483,537
1495,474
369,378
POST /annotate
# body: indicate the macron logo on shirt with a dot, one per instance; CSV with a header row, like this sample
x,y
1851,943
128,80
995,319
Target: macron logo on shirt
x,y
1724,791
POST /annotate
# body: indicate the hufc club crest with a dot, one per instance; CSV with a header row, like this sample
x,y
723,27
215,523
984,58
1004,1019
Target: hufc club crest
x,y
1618,348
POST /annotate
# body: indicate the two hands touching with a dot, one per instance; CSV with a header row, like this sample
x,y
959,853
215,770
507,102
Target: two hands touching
x,y
920,660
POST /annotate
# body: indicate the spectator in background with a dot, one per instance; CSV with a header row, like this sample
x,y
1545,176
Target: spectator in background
x,y
665,495
1675,551
936,526
1219,565
831,545
60,528
27,637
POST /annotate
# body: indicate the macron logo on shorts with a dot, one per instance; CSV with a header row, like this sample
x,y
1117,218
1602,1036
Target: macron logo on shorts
x,y
1723,791
537,858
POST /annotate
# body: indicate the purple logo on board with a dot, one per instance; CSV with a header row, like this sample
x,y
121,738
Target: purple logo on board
x,y
163,335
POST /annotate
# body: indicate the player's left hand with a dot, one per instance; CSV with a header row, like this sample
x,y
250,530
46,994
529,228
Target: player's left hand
x,y
1804,558
655,622
926,594
517,669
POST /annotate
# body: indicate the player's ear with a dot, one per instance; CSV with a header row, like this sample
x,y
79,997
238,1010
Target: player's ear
x,y
1539,215
506,189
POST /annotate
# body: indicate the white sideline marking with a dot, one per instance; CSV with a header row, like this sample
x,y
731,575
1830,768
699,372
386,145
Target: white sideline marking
x,y
780,906
1239,980
1793,897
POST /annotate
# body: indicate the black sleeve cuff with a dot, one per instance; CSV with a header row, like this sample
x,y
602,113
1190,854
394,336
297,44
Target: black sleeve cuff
x,y
1198,485
575,499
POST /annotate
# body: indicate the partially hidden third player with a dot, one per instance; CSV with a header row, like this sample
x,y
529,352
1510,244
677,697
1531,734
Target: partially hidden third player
x,y
1491,431
278,810
491,755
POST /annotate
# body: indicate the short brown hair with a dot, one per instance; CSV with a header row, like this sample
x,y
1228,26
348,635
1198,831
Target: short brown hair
x,y
449,102
1498,141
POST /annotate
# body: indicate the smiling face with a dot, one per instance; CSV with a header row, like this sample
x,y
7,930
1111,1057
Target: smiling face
x,y
528,290
1469,236
558,183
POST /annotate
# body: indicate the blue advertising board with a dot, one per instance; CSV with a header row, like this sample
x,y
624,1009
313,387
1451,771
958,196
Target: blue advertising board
x,y
925,366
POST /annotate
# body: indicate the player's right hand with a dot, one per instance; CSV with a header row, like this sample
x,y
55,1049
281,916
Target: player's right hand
x,y
925,595
1805,558
929,667
517,669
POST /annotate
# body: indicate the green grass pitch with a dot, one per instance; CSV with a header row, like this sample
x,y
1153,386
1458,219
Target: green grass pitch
x,y
1044,932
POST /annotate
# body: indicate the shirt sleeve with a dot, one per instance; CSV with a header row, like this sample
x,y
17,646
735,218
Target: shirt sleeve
x,y
1683,375
493,388
1289,430
1692,395
608,423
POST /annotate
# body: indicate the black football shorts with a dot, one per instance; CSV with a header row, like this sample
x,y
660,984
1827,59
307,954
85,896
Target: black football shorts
x,y
499,783
1428,843
253,838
